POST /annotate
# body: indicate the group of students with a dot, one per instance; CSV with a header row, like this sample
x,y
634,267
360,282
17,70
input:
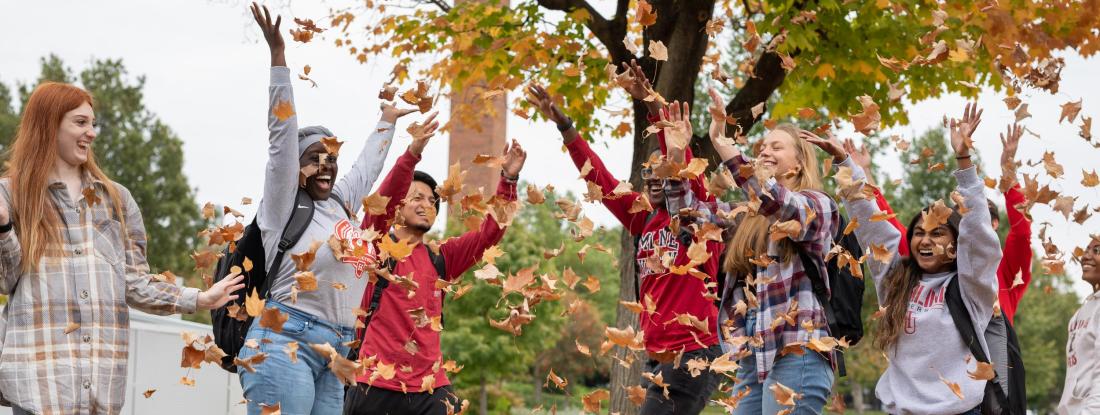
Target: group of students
x,y
72,260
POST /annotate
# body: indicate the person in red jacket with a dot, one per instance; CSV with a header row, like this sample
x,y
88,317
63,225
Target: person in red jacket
x,y
670,298
1014,273
402,334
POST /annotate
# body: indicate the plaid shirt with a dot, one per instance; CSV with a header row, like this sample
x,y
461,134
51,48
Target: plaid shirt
x,y
66,325
780,282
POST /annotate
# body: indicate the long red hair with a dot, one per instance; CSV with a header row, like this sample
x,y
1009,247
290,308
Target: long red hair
x,y
31,162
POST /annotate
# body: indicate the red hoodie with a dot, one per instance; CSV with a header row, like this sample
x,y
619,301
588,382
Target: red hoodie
x,y
672,294
392,336
1016,256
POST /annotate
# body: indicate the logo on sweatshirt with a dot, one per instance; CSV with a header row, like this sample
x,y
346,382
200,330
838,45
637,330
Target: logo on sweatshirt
x,y
923,300
661,241
357,251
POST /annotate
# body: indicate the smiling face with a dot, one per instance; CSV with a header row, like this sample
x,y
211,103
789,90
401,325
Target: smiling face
x,y
75,135
418,212
654,186
1090,263
319,185
934,251
779,151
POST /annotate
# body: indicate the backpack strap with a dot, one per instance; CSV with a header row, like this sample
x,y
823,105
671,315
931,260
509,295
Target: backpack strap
x,y
440,264
637,272
301,214
965,326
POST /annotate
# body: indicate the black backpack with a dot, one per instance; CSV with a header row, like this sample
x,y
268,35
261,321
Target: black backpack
x,y
229,333
440,264
995,401
844,308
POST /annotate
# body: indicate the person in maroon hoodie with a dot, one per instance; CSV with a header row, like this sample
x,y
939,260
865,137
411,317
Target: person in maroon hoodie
x,y
673,296
403,333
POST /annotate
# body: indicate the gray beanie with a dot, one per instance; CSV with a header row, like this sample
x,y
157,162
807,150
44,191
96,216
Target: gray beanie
x,y
309,135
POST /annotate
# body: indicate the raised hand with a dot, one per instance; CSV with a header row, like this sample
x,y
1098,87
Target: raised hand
x,y
274,38
677,120
1010,141
514,157
390,112
421,133
220,293
861,156
541,100
634,81
717,115
830,144
962,130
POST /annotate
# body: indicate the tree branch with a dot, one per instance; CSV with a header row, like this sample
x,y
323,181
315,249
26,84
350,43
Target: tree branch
x,y
441,4
609,32
768,75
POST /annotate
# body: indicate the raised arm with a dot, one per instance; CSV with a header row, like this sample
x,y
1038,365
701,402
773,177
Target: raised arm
x,y
869,233
281,173
862,157
463,252
582,155
354,185
396,184
979,252
1017,250
148,294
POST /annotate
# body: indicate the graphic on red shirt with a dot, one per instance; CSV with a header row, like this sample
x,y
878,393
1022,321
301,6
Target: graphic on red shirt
x,y
661,241
361,252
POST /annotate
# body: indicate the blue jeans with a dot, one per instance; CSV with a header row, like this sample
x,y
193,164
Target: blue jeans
x,y
305,387
809,374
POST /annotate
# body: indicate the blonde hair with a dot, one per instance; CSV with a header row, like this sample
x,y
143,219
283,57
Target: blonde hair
x,y
30,163
751,236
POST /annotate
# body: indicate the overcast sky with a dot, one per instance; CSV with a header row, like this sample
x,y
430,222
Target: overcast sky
x,y
206,71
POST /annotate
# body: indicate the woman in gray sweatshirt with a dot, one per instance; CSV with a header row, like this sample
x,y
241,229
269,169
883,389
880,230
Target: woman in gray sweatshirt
x,y
928,360
286,370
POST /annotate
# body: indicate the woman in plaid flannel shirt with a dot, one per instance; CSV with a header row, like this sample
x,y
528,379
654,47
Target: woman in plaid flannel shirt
x,y
72,260
769,310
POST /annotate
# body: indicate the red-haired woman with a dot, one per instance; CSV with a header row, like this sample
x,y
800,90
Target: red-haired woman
x,y
72,260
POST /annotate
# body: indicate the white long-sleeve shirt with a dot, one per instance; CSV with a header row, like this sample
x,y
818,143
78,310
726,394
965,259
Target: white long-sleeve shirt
x,y
1081,393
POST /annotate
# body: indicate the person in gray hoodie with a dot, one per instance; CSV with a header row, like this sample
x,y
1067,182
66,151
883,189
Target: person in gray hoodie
x,y
286,370
928,360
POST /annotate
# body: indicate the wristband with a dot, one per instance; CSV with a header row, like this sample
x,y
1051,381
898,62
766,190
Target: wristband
x,y
510,179
5,228
566,126
962,157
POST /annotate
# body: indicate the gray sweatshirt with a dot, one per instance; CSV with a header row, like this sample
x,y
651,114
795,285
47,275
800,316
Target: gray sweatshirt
x,y
1081,392
930,345
340,282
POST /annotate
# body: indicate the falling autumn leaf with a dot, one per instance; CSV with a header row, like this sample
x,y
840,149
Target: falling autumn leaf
x,y
1070,110
283,110
984,371
149,393
397,250
644,14
253,304
657,50
784,395
593,399
273,319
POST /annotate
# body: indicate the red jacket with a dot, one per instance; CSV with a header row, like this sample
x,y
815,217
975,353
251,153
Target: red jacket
x,y
1016,257
393,332
672,294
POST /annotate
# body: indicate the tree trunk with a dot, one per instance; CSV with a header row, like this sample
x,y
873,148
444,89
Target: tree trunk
x,y
483,399
537,378
857,396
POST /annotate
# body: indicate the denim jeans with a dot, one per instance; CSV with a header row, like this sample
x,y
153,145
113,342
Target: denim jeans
x,y
305,387
809,374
